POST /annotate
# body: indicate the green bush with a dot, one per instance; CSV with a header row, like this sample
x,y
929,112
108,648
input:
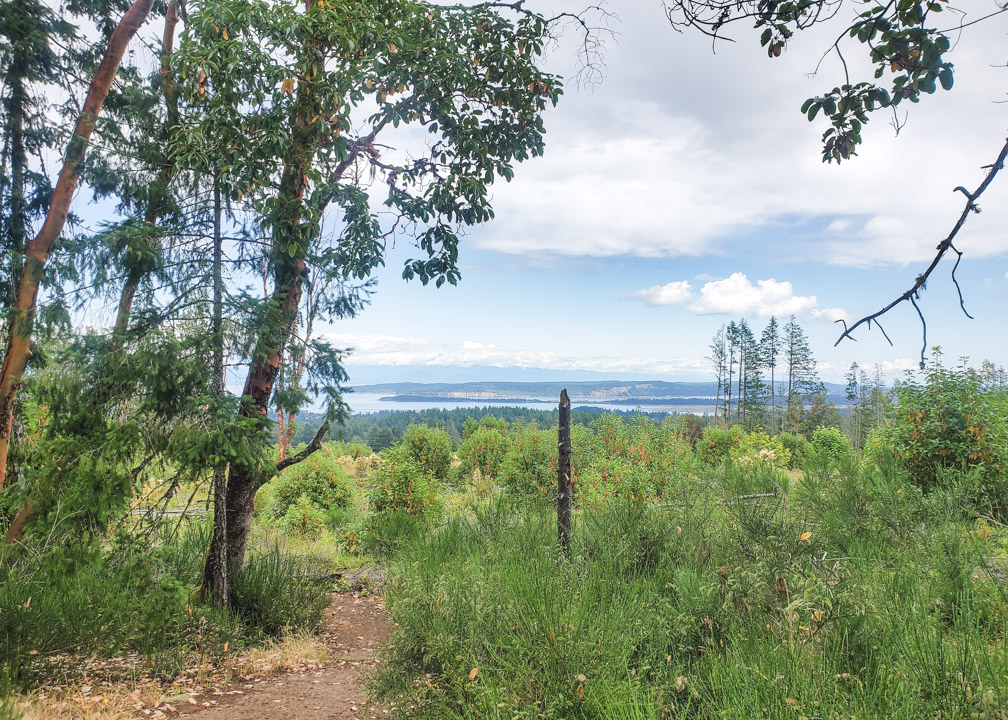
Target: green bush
x,y
400,483
831,444
758,448
715,445
319,479
303,519
348,449
797,445
634,458
951,423
84,599
528,469
484,450
387,532
430,449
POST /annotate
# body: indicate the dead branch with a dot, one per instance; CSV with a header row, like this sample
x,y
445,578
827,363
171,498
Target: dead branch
x,y
913,294
314,445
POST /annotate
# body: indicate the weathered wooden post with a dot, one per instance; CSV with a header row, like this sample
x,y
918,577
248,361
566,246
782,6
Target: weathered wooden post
x,y
564,486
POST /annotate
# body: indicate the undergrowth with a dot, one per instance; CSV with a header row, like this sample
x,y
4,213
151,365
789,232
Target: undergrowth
x,y
849,593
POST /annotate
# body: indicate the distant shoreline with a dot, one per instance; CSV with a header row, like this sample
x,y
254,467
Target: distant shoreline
x,y
592,400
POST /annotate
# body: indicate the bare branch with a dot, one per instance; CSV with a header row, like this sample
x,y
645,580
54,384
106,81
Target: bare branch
x,y
314,445
944,246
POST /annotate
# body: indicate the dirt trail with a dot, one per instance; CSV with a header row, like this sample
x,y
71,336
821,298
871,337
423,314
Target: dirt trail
x,y
356,626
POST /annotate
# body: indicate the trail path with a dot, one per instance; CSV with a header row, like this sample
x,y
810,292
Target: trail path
x,y
356,626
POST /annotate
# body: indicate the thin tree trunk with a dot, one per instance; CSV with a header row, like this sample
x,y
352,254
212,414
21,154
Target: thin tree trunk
x,y
38,248
216,579
158,194
564,485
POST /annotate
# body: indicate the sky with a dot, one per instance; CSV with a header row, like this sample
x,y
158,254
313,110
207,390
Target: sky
x,y
686,189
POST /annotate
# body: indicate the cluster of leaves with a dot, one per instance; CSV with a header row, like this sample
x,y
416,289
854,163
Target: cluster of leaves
x,y
105,422
758,448
483,449
900,38
430,449
401,484
831,444
901,44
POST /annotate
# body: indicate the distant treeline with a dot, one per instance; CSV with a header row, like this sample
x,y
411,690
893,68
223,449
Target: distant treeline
x,y
381,429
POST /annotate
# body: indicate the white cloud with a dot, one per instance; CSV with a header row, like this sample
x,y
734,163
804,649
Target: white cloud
x,y
391,350
736,295
671,293
658,164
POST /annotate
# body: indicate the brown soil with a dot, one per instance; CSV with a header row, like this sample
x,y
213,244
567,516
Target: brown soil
x,y
356,626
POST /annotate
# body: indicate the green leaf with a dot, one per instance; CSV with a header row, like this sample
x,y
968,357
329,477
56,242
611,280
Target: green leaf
x,y
945,77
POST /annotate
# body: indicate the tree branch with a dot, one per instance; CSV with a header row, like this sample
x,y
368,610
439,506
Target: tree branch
x,y
314,445
944,246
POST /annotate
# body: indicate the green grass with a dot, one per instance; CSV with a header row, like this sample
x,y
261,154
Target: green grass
x,y
847,594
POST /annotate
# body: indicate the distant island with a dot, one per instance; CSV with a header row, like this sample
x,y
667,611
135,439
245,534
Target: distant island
x,y
614,392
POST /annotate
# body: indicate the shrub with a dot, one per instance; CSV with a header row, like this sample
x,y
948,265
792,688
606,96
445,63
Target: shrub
x,y
400,483
950,422
430,449
758,448
303,519
716,443
319,479
387,532
880,446
484,450
489,422
635,459
797,445
528,469
349,449
831,444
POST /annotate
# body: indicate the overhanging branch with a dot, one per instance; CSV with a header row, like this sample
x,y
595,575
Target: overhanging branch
x,y
913,294
314,445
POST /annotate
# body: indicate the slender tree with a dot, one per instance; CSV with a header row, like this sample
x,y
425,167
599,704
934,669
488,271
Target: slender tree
x,y
802,381
718,358
770,351
37,250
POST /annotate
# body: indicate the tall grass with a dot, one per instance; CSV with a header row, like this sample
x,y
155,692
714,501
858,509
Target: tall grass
x,y
135,595
846,594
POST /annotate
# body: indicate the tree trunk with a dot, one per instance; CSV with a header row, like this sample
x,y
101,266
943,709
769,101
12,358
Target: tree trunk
x,y
564,484
38,249
243,480
216,572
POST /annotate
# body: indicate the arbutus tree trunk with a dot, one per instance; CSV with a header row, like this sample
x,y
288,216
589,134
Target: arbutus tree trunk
x,y
289,271
38,248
